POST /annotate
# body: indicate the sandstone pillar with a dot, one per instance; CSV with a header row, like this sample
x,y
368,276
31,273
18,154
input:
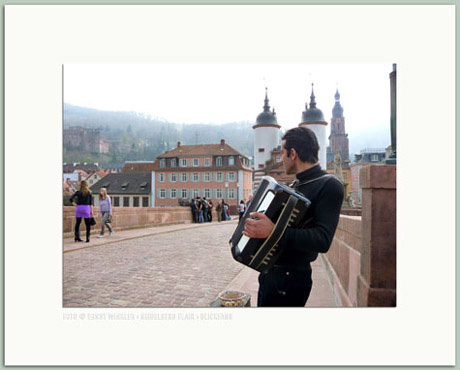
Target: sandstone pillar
x,y
377,280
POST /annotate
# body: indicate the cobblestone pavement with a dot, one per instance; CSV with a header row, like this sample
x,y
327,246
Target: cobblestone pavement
x,y
170,266
183,268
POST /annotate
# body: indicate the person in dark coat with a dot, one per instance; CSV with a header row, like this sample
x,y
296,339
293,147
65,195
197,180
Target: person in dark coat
x,y
289,281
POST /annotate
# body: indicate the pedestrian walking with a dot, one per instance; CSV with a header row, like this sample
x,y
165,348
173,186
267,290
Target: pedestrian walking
x,y
200,210
219,211
195,211
105,210
210,206
242,209
83,209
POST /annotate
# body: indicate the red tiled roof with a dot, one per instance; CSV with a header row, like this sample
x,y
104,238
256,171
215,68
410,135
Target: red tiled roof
x,y
201,150
136,167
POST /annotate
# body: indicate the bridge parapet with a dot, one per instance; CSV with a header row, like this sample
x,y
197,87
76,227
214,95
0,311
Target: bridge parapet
x,y
132,217
362,259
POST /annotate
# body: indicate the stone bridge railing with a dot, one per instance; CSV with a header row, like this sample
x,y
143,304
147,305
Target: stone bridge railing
x,y
362,259
132,217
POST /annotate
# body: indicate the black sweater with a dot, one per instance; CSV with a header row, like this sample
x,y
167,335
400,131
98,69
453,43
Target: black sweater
x,y
302,245
81,200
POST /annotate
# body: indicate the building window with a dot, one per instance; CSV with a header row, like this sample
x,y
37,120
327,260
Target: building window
x,y
173,177
207,163
183,162
278,158
219,193
125,201
116,201
184,193
162,163
261,150
145,201
219,161
162,193
161,177
207,176
219,176
374,157
196,177
183,177
196,193
231,161
196,162
135,201
207,193
173,193
231,194
173,162
231,176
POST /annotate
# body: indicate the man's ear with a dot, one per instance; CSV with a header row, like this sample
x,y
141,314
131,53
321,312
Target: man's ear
x,y
293,155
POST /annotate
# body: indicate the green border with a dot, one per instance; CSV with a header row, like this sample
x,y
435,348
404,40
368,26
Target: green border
x,y
217,2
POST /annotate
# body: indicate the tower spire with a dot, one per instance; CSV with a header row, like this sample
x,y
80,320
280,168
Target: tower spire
x,y
312,98
337,111
266,106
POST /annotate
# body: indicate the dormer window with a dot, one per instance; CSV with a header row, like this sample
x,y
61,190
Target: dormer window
x,y
174,162
231,161
162,163
219,161
124,185
143,186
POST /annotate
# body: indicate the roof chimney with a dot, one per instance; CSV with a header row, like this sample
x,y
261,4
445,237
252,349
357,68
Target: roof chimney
x,y
178,144
222,142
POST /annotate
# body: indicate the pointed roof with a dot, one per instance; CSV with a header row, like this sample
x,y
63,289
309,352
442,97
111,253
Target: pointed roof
x,y
312,114
266,117
337,111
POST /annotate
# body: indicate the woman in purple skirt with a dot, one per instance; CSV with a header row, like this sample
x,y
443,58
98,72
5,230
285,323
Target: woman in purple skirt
x,y
84,209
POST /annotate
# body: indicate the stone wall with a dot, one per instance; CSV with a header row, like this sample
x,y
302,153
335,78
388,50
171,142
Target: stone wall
x,y
362,259
132,217
343,260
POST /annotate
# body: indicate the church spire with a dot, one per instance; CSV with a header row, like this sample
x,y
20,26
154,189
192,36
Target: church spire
x,y
337,111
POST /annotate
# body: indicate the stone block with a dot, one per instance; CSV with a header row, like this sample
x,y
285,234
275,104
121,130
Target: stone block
x,y
378,177
355,268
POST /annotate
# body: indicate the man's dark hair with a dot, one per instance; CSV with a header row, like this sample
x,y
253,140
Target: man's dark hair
x,y
305,143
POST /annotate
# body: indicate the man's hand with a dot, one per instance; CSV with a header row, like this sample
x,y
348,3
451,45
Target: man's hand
x,y
260,228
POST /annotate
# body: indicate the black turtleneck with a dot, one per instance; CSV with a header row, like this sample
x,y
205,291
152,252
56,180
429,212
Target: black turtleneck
x,y
302,245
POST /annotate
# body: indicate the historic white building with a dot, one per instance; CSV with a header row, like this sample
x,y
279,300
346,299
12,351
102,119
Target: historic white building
x,y
267,134
266,138
313,119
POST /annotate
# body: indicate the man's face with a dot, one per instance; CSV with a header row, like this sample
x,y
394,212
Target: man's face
x,y
289,165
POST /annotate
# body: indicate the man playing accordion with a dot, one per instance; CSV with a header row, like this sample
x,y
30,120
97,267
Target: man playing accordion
x,y
289,281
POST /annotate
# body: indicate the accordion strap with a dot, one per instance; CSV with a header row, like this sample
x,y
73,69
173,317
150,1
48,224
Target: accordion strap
x,y
280,227
296,184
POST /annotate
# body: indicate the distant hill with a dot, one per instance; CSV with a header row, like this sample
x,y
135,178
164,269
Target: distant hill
x,y
136,136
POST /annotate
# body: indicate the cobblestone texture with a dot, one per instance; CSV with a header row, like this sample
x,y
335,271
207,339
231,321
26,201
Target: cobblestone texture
x,y
184,268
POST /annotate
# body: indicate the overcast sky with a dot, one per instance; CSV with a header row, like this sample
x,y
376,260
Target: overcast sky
x,y
222,93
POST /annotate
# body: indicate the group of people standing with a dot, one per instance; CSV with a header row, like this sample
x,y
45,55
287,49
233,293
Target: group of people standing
x,y
201,210
83,202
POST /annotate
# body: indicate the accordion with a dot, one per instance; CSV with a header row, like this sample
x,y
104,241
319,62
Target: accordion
x,y
284,207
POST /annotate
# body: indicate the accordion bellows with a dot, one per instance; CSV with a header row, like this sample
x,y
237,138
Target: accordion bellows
x,y
284,207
